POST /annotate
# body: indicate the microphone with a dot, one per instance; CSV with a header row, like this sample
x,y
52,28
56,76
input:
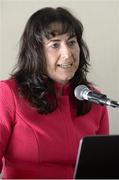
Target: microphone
x,y
82,92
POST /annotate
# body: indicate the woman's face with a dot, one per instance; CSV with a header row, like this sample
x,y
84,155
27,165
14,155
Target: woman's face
x,y
62,57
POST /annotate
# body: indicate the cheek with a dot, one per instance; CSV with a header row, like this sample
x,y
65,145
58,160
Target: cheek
x,y
51,61
48,59
77,56
76,51
51,65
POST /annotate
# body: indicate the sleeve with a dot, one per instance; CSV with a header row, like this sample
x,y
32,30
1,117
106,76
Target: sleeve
x,y
7,107
104,122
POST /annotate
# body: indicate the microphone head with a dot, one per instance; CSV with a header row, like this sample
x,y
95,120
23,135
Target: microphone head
x,y
81,92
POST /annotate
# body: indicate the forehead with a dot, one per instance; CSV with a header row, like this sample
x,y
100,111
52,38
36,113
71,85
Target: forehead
x,y
58,28
58,38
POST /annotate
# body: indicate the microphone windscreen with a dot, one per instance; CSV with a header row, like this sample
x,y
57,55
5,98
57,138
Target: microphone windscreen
x,y
80,90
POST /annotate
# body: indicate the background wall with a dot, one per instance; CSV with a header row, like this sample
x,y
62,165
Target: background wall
x,y
101,23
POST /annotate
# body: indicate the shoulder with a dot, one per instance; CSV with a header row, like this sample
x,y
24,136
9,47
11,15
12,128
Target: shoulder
x,y
11,83
94,88
98,91
7,102
8,86
7,91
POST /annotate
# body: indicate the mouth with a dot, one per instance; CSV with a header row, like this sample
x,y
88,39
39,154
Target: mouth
x,y
65,65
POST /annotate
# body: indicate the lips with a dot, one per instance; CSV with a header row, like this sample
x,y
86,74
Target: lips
x,y
65,65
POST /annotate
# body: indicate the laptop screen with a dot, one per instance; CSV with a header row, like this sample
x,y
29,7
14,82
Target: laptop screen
x,y
98,157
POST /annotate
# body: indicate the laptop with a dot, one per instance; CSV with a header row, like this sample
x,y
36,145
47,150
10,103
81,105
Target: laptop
x,y
98,158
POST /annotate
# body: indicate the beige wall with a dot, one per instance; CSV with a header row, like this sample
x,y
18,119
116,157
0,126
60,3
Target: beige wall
x,y
101,23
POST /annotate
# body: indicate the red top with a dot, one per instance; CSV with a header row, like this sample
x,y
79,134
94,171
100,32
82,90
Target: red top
x,y
43,146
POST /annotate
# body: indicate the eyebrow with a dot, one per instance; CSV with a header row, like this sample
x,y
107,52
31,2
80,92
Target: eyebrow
x,y
72,36
52,40
58,40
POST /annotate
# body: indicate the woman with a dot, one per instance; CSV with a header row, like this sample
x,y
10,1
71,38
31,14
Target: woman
x,y
41,122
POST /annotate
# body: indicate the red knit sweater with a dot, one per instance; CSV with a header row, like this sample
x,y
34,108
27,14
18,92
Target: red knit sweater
x,y
43,146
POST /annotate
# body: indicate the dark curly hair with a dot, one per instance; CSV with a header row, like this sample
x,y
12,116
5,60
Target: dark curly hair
x,y
30,71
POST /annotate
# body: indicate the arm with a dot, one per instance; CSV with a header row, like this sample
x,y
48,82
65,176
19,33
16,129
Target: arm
x,y
6,117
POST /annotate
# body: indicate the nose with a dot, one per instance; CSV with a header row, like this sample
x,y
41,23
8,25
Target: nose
x,y
65,52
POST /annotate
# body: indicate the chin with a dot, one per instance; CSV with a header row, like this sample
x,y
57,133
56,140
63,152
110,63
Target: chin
x,y
66,80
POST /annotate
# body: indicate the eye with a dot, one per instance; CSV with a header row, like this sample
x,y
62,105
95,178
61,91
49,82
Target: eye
x,y
72,43
55,45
